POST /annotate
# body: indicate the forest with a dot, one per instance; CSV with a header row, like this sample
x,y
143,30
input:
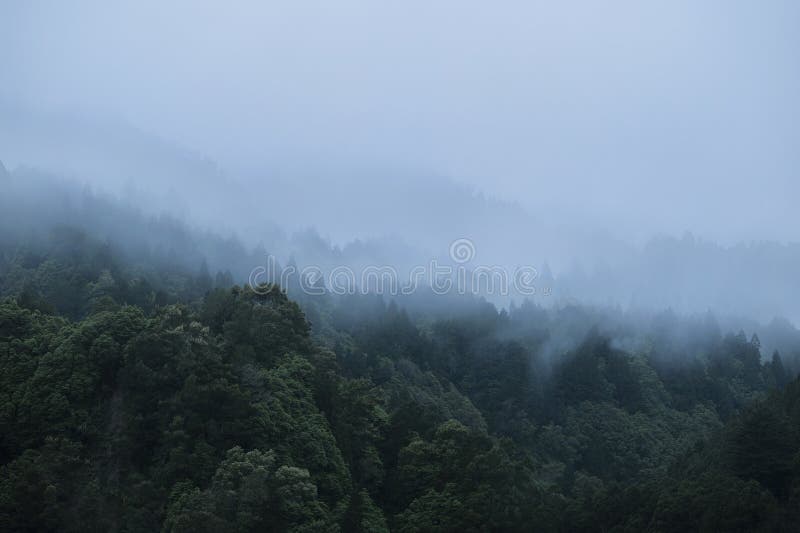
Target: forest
x,y
142,391
356,266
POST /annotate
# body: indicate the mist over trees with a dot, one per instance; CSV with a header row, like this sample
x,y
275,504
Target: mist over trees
x,y
399,267
753,280
149,387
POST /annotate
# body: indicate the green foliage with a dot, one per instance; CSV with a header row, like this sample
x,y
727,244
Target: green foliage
x,y
144,397
250,491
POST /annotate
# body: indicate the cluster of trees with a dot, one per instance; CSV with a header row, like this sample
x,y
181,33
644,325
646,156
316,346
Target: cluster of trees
x,y
663,424
141,395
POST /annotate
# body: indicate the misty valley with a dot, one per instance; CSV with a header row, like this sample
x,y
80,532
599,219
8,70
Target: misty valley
x,y
413,267
147,385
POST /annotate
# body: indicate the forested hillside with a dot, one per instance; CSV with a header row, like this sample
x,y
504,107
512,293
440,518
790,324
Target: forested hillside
x,y
407,267
139,394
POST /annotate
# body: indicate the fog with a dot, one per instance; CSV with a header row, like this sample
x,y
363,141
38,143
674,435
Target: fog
x,y
573,134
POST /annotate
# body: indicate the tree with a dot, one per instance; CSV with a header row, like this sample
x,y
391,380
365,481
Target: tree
x,y
250,491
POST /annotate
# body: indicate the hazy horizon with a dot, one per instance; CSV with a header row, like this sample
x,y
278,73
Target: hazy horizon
x,y
362,266
636,120
644,152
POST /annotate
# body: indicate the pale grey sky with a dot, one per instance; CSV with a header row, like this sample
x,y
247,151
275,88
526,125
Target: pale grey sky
x,y
642,116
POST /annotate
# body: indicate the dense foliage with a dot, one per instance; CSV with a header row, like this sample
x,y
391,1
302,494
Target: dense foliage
x,y
142,395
